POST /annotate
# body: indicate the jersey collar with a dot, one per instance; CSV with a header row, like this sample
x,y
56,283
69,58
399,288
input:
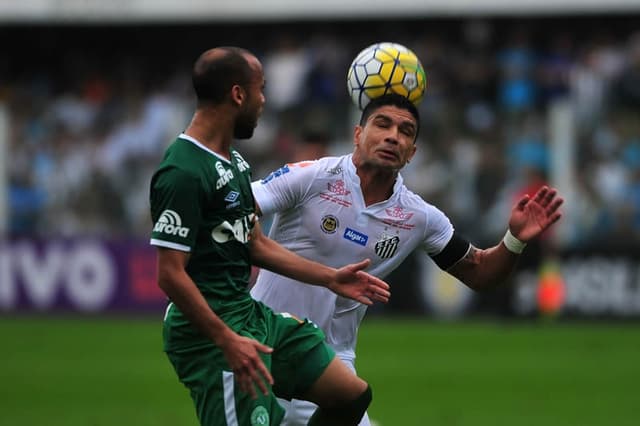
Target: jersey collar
x,y
200,145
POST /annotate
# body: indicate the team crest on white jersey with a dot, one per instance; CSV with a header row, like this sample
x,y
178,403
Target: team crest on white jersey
x,y
170,223
387,246
329,224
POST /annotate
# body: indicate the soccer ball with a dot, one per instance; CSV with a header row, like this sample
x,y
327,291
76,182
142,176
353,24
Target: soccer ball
x,y
385,68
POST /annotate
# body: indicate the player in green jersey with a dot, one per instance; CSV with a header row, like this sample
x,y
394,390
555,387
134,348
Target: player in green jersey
x,y
223,344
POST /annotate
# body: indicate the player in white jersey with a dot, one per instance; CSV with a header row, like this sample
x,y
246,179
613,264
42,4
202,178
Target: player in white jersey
x,y
340,209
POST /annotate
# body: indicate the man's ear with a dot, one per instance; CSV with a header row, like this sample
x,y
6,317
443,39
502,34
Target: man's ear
x,y
237,94
412,153
357,134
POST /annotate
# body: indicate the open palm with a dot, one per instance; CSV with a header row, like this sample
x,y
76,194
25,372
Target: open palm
x,y
532,216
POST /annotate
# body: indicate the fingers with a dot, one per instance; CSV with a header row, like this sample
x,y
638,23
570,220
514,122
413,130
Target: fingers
x,y
523,202
554,206
262,348
250,371
363,264
244,378
374,281
379,297
253,373
541,194
260,365
376,290
546,196
554,218
258,376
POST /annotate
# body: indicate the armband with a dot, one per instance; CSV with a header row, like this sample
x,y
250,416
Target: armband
x,y
513,244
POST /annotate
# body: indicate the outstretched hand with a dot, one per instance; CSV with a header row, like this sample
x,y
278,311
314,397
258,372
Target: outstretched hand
x,y
352,282
532,216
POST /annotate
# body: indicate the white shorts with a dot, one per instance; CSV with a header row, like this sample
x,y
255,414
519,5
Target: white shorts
x,y
298,412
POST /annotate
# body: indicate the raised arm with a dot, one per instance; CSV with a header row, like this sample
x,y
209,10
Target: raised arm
x,y
349,281
530,217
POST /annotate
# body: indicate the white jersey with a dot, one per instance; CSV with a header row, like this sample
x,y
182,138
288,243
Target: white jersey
x,y
320,214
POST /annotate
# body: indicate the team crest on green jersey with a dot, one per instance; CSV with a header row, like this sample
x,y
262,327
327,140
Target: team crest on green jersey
x,y
259,416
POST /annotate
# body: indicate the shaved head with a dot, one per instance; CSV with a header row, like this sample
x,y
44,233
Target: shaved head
x,y
217,70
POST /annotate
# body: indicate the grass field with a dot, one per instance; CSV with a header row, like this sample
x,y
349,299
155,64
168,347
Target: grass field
x,y
99,372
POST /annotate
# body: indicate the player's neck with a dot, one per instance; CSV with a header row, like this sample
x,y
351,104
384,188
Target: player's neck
x,y
376,185
211,132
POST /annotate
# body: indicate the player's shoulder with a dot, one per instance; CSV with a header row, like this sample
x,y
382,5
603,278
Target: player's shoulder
x,y
301,170
319,164
412,202
410,199
177,163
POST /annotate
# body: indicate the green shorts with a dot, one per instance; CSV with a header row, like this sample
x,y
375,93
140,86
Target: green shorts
x,y
300,356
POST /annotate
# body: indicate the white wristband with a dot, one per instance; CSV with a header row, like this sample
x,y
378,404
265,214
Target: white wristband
x,y
513,244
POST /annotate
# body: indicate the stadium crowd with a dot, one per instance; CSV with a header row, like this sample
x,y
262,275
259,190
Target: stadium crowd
x,y
87,125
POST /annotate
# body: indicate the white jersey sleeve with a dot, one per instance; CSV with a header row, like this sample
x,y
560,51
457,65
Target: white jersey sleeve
x,y
284,188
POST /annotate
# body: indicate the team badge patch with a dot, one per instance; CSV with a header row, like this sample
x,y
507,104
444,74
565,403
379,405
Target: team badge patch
x,y
260,416
387,247
329,224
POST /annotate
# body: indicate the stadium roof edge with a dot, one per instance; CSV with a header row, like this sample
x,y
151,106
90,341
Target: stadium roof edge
x,y
124,11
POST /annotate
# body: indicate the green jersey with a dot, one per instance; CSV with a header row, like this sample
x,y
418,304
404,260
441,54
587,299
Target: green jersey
x,y
202,203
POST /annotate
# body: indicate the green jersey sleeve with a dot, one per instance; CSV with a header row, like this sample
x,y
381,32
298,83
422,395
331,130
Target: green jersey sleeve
x,y
175,209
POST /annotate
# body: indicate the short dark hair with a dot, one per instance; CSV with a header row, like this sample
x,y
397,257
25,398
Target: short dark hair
x,y
215,74
392,99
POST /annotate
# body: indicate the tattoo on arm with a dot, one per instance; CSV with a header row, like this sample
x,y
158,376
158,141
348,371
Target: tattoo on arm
x,y
472,257
463,268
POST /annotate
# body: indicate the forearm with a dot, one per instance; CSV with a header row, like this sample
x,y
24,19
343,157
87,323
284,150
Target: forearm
x,y
267,254
182,291
485,269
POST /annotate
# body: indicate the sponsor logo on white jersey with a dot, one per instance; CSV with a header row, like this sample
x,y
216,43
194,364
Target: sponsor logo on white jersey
x,y
282,170
170,223
355,236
